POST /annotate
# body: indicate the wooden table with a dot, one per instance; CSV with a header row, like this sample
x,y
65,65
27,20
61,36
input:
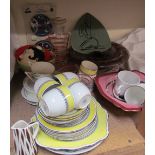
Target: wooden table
x,y
123,139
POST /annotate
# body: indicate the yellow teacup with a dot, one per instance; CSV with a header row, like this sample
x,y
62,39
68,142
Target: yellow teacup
x,y
88,68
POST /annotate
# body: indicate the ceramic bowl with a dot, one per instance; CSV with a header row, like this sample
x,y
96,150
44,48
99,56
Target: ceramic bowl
x,y
57,101
81,93
63,77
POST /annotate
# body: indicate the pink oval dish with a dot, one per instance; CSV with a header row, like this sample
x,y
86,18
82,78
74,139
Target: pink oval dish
x,y
105,85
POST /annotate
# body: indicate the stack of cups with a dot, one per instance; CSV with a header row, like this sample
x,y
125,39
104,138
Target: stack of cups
x,y
87,73
62,94
129,88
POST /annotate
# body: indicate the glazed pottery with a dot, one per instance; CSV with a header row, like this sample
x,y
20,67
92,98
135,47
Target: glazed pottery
x,y
24,138
89,35
57,101
124,80
105,85
135,95
63,77
99,134
80,92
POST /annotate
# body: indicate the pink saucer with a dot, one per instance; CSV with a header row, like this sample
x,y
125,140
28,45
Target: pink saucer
x,y
105,84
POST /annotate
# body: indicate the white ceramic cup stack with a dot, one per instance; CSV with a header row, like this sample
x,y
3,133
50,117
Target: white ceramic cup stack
x,y
68,94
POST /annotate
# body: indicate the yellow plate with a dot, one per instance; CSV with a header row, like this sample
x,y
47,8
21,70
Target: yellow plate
x,y
99,134
89,119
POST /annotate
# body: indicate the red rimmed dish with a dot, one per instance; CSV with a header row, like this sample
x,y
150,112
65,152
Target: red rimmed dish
x,y
105,84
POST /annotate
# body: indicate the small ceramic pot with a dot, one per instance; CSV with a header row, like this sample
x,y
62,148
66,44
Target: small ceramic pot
x,y
89,68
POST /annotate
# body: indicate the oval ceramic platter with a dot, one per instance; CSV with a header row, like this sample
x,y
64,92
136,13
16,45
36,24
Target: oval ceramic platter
x,y
100,133
74,152
89,35
105,84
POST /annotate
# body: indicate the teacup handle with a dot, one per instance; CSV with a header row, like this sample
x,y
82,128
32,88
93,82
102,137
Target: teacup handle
x,y
29,75
35,129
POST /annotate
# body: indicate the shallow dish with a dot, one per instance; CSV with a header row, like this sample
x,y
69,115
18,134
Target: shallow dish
x,y
85,123
72,136
101,132
65,123
30,99
74,152
105,86
28,84
66,117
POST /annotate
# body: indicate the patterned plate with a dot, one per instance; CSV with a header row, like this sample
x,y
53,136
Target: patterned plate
x,y
89,35
65,123
100,133
41,25
77,127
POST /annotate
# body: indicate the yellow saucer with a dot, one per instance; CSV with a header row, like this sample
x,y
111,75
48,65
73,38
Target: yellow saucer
x,y
98,135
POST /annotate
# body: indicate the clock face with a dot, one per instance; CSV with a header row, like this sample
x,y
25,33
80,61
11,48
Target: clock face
x,y
41,25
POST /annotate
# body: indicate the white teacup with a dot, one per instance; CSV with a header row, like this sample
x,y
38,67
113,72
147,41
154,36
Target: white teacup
x,y
125,79
43,83
135,95
57,101
80,92
63,77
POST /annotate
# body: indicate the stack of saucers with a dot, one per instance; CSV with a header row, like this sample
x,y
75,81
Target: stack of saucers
x,y
27,92
73,126
75,132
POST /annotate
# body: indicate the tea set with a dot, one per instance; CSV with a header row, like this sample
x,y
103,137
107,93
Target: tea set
x,y
68,119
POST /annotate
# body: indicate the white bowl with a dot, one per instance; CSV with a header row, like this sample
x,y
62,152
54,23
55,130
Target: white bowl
x,y
81,94
135,95
63,77
57,101
39,82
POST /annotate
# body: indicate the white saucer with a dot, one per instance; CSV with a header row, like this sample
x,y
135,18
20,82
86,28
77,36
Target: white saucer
x,y
29,98
116,96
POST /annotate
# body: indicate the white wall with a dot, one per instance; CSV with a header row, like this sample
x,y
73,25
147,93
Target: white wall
x,y
118,16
